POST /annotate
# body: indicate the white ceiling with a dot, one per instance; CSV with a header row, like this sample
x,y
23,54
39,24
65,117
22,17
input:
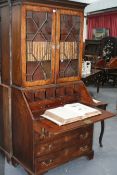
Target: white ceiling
x,y
101,5
84,1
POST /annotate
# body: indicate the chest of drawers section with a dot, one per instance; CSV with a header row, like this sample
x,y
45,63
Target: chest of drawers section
x,y
55,150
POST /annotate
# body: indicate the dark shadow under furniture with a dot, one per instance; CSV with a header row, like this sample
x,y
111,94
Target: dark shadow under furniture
x,y
113,76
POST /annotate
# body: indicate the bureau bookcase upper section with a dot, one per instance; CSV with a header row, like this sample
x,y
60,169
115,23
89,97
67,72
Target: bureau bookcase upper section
x,y
46,43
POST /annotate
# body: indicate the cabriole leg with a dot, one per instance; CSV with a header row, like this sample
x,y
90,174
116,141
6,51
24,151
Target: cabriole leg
x,y
101,133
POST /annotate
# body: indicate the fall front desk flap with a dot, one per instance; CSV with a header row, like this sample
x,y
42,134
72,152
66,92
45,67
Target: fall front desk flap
x,y
70,113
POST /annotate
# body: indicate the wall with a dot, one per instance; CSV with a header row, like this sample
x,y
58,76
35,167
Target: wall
x,y
103,20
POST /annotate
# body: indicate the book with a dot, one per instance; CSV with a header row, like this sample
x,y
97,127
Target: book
x,y
70,113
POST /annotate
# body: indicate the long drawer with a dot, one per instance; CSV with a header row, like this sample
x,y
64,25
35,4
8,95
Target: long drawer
x,y
78,136
49,161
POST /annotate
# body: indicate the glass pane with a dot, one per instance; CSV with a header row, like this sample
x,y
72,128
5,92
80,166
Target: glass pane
x,y
38,42
69,45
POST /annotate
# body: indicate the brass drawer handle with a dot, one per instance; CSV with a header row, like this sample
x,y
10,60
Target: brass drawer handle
x,y
50,147
84,148
43,133
84,136
44,149
47,162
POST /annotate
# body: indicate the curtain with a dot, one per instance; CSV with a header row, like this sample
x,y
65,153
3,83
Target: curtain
x,y
103,20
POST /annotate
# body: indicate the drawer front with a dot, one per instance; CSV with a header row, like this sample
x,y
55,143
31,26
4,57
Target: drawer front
x,y
76,137
52,160
44,136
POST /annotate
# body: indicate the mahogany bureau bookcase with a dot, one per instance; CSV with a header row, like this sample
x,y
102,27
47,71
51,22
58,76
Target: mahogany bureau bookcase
x,y
41,59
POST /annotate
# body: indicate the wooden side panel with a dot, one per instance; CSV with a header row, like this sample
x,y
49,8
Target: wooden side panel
x,y
22,129
1,117
5,119
5,45
16,45
0,44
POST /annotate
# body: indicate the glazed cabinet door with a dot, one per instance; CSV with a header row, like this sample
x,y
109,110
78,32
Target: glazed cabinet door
x,y
51,45
38,41
69,45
